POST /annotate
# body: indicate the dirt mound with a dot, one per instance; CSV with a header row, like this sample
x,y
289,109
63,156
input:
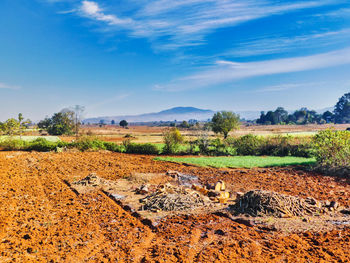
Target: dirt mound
x,y
170,198
259,203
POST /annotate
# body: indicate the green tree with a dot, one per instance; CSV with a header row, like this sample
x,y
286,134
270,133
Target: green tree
x,y
123,123
11,126
184,124
225,121
60,123
281,115
23,124
328,116
172,140
342,109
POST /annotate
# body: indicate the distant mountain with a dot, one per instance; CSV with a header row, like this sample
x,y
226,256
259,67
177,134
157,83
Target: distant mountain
x,y
177,113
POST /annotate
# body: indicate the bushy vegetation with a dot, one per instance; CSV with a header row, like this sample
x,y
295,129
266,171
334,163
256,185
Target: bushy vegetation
x,y
333,149
86,143
141,148
254,145
14,126
172,140
39,144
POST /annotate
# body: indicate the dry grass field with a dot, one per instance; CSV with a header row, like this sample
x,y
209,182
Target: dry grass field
x,y
145,134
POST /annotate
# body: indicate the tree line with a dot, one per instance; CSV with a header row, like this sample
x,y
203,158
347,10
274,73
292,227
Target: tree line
x,y
341,114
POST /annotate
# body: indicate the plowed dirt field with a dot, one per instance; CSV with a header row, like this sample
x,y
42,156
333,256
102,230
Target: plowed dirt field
x,y
43,220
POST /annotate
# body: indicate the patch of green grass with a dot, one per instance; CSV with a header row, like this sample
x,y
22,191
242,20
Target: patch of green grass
x,y
30,138
241,161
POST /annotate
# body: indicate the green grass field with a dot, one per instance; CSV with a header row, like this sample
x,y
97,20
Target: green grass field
x,y
241,161
31,138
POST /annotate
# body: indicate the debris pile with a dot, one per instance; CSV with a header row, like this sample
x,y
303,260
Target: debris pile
x,y
260,203
90,180
170,198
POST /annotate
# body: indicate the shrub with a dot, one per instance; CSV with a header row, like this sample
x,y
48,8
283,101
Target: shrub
x,y
248,145
138,148
276,146
43,145
113,147
172,139
13,144
86,143
333,148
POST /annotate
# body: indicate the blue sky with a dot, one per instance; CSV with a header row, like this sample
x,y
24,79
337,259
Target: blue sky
x,y
137,56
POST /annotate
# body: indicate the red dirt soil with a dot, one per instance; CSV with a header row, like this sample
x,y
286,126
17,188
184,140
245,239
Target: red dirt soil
x,y
43,220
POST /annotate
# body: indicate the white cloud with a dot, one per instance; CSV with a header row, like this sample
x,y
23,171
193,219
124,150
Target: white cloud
x,y
92,10
177,23
227,71
6,86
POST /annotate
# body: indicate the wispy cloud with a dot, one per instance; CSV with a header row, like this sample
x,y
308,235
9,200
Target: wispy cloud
x,y
6,86
272,45
173,24
228,71
109,100
284,87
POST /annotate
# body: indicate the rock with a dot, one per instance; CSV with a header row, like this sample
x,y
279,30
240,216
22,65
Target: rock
x,y
334,205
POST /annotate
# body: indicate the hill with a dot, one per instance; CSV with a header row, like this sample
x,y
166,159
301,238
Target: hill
x,y
177,113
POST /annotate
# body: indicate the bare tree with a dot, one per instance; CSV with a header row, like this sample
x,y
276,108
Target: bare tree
x,y
76,115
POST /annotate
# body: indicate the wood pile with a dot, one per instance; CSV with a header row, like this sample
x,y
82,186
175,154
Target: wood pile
x,y
262,203
170,198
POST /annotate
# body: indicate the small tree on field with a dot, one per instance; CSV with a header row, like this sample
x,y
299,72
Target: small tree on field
x,y
225,121
172,139
23,124
123,123
11,126
60,123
